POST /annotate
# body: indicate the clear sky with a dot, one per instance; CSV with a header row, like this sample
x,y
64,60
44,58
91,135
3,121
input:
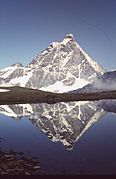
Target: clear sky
x,y
28,26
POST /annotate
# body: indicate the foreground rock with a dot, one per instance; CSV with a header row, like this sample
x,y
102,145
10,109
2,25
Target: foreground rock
x,y
13,163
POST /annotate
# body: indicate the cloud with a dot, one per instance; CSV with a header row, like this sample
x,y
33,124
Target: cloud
x,y
105,85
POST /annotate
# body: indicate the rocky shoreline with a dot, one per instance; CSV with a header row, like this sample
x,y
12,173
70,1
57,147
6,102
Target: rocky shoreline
x,y
13,163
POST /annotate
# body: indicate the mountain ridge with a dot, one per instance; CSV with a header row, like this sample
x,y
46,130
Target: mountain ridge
x,y
61,67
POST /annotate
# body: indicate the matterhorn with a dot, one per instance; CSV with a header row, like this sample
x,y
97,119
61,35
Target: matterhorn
x,y
63,66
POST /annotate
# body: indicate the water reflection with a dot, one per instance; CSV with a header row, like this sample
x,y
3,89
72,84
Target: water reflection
x,y
61,122
42,130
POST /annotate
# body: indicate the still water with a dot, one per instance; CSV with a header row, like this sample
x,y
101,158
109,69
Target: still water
x,y
67,138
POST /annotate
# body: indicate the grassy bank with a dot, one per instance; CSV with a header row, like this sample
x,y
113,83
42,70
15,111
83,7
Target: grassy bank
x,y
20,95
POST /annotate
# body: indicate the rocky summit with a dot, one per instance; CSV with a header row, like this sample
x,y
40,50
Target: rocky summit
x,y
61,67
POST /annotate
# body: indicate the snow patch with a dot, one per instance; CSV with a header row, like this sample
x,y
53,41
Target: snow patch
x,y
6,85
4,90
60,88
22,80
8,71
8,68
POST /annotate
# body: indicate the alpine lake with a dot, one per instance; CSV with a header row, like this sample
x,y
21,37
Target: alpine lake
x,y
74,138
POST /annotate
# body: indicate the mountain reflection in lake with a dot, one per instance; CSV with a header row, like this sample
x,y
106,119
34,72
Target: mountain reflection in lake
x,y
66,138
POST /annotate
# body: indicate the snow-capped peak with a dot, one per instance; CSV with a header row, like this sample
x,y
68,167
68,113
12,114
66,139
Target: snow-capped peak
x,y
61,67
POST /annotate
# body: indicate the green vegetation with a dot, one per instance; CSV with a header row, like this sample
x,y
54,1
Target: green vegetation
x,y
20,95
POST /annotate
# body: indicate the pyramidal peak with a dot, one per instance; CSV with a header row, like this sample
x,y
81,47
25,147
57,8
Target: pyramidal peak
x,y
63,66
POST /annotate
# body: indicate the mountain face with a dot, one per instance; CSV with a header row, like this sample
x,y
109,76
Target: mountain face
x,y
61,67
60,122
105,82
15,74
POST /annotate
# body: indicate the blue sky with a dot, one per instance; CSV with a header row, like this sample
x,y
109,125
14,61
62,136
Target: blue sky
x,y
28,26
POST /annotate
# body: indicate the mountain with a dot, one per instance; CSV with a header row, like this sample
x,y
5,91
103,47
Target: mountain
x,y
15,74
61,67
60,122
105,82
